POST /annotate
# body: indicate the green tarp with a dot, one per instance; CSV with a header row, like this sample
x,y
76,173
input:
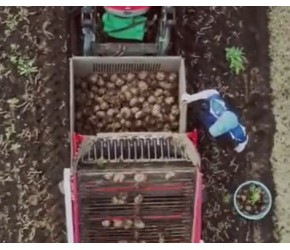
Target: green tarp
x,y
132,28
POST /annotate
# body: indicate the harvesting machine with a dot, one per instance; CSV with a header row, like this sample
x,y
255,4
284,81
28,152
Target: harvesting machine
x,y
122,30
132,186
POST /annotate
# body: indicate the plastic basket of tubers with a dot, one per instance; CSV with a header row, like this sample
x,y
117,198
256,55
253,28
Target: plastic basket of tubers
x,y
127,94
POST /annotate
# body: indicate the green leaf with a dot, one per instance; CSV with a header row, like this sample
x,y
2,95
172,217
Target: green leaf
x,y
15,147
13,101
236,59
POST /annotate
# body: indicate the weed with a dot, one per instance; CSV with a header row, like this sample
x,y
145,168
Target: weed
x,y
9,131
236,59
15,147
25,66
13,21
226,198
254,194
13,103
2,69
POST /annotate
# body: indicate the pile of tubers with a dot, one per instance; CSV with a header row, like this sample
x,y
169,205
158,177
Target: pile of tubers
x,y
127,102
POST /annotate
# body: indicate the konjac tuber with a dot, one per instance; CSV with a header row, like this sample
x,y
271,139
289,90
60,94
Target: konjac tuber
x,y
133,101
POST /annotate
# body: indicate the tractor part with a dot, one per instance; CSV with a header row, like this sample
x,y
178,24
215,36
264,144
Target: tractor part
x,y
96,34
127,11
135,187
167,20
88,24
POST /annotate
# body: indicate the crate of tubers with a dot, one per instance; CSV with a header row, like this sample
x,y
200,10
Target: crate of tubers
x,y
127,94
136,187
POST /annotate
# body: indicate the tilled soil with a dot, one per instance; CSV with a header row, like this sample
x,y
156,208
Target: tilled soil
x,y
33,123
205,33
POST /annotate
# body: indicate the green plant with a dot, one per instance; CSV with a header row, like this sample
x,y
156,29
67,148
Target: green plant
x,y
13,21
254,194
9,131
236,59
25,66
15,147
226,198
13,103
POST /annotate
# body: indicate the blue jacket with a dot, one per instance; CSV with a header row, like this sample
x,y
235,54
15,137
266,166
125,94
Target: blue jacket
x,y
211,109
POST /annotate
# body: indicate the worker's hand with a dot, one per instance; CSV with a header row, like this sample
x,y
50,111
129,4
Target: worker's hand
x,y
186,98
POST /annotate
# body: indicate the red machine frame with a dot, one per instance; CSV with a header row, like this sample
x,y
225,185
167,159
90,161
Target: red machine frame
x,y
72,212
127,11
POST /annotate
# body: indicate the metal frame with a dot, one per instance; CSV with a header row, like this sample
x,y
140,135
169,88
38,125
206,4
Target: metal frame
x,y
110,144
68,205
91,46
72,206
72,219
88,23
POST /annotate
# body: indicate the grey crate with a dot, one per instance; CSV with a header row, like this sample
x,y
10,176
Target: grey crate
x,y
82,66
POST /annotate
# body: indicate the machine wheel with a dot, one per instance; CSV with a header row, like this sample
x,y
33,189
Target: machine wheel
x,y
163,42
89,39
88,30
166,22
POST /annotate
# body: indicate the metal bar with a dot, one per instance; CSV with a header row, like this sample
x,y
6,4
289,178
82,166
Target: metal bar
x,y
151,217
142,148
137,160
76,209
161,146
196,224
135,149
132,188
129,149
168,147
102,150
127,48
155,148
109,149
184,169
175,151
121,157
72,116
68,205
127,208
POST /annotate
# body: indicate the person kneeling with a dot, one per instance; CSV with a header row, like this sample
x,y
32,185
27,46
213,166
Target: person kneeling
x,y
218,118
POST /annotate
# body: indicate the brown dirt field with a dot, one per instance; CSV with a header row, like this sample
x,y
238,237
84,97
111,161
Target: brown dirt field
x,y
34,123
